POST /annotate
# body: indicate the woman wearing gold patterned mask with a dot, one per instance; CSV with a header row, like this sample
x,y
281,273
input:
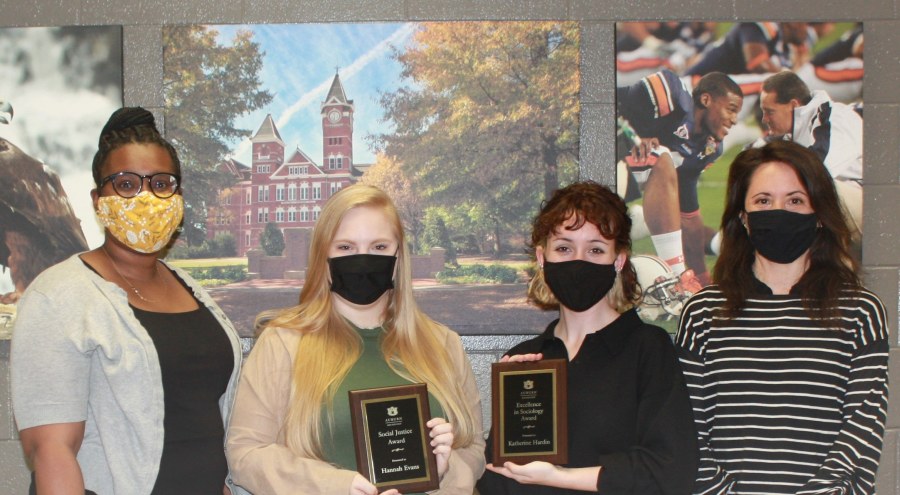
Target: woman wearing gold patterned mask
x,y
120,362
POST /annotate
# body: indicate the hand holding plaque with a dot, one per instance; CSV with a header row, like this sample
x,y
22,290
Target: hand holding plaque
x,y
392,443
529,411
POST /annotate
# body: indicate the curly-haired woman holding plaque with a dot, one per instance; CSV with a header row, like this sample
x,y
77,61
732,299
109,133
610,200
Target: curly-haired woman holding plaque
x,y
630,428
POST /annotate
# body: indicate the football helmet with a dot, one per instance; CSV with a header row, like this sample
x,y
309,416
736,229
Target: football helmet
x,y
663,295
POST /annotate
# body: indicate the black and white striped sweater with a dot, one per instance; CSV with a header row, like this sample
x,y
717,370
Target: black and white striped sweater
x,y
785,404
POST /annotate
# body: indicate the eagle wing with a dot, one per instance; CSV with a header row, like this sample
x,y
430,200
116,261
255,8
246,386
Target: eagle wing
x,y
38,227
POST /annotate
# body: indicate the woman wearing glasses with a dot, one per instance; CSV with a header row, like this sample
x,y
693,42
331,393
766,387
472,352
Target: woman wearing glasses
x,y
122,366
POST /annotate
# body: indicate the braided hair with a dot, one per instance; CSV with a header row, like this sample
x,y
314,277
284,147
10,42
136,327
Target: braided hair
x,y
129,125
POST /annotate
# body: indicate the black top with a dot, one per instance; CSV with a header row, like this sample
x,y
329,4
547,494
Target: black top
x,y
629,412
196,361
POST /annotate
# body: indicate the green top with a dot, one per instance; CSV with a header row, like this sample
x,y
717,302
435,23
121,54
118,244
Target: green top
x,y
370,371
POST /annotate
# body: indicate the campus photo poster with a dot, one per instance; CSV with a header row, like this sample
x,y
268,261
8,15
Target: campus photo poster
x,y
800,81
468,126
58,85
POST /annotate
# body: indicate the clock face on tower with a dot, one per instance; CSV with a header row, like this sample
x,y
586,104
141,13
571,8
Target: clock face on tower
x,y
334,116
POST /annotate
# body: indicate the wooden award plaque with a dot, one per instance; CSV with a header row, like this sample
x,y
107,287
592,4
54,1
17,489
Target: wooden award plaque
x,y
393,448
530,413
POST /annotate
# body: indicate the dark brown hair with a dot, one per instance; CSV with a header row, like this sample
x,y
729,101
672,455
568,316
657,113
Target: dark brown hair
x,y
787,86
129,125
588,202
831,265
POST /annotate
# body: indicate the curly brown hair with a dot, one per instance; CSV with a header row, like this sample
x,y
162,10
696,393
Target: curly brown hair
x,y
590,202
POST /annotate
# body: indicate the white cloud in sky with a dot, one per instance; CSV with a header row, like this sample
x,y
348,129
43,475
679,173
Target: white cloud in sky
x,y
284,51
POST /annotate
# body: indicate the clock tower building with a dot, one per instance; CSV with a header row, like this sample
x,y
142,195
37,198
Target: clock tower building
x,y
337,130
290,189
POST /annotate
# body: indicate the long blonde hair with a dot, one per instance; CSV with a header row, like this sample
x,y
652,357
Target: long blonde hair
x,y
329,347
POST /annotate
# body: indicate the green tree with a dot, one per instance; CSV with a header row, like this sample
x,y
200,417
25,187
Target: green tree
x,y
490,118
207,85
436,234
223,245
272,240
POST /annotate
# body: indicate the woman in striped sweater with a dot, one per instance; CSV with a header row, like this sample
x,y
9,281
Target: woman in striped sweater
x,y
786,355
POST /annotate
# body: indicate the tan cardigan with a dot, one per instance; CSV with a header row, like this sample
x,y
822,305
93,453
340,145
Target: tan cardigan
x,y
261,462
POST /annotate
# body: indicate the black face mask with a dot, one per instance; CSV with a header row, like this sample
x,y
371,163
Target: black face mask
x,y
579,284
362,278
781,236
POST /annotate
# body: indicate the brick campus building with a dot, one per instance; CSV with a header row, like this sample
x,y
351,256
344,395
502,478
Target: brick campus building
x,y
289,192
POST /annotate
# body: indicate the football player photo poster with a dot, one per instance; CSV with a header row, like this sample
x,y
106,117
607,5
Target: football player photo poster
x,y
691,96
468,126
58,87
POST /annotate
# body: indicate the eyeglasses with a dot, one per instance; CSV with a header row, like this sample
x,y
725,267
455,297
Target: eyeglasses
x,y
130,184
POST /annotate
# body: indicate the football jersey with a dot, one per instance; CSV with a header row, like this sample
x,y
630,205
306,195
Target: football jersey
x,y
660,106
727,54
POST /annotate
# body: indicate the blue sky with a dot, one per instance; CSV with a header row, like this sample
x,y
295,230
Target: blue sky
x,y
298,67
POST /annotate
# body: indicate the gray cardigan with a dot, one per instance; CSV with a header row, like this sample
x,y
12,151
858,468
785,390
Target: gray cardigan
x,y
79,354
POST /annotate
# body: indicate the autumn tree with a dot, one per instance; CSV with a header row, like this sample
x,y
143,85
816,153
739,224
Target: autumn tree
x,y
207,85
488,119
387,175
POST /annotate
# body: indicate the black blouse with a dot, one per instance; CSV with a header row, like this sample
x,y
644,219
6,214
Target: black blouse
x,y
196,361
629,412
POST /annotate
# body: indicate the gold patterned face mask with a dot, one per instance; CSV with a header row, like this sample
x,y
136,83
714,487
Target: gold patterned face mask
x,y
144,223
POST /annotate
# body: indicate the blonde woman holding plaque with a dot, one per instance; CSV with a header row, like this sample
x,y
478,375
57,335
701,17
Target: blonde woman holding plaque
x,y
356,326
